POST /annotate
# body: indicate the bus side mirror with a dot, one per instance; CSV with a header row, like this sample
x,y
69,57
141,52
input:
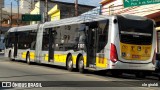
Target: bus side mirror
x,y
158,56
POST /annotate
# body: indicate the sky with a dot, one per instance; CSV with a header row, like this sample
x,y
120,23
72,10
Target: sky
x,y
8,3
7,6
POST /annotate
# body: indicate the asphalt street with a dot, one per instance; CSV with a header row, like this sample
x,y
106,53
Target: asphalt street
x,y
20,71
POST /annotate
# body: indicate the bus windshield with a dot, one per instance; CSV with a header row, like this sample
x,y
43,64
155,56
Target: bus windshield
x,y
138,32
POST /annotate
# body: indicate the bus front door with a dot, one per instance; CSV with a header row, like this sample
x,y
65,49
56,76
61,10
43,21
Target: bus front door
x,y
92,45
15,45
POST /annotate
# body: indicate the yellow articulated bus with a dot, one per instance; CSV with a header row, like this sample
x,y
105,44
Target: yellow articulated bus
x,y
117,43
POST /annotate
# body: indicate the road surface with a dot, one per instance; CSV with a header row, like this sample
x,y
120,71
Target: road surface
x,y
20,71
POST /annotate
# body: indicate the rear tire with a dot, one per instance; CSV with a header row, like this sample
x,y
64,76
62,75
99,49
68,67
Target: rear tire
x,y
9,55
28,59
81,64
69,63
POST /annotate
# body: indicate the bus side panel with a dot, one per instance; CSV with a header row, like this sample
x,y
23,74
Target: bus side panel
x,y
39,44
6,52
21,55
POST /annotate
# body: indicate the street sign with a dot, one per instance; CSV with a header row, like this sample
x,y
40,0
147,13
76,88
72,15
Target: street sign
x,y
31,17
130,3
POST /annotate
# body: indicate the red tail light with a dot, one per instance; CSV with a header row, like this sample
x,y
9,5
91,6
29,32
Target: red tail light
x,y
113,53
154,57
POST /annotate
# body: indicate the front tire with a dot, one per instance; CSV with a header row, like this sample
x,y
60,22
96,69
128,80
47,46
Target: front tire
x,y
9,55
28,59
69,64
81,64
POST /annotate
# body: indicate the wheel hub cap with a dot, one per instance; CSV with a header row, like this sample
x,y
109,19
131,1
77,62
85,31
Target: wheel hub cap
x,y
81,64
70,63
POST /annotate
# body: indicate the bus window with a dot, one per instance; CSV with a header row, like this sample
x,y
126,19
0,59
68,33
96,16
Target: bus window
x,y
135,31
102,34
32,43
26,39
45,42
135,38
82,37
10,39
57,38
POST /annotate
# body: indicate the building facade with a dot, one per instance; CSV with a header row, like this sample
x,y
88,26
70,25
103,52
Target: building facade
x,y
16,21
1,10
1,3
27,5
58,10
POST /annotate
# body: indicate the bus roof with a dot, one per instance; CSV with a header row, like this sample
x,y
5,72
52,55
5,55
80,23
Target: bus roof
x,y
75,20
87,18
133,17
12,29
24,28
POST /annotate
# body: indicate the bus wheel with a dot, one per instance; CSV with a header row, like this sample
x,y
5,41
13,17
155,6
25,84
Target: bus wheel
x,y
81,64
140,75
28,59
69,63
9,55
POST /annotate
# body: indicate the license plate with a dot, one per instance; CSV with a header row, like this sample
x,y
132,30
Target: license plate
x,y
135,56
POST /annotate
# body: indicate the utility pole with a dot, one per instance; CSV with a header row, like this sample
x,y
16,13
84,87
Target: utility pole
x,y
31,4
11,16
46,10
76,7
18,12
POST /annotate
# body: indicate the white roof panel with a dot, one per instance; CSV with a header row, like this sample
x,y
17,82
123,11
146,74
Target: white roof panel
x,y
75,20
24,28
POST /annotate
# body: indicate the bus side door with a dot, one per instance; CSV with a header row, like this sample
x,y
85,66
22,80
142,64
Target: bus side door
x,y
91,43
52,34
15,44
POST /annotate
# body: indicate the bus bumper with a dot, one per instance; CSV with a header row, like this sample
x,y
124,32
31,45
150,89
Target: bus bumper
x,y
133,66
